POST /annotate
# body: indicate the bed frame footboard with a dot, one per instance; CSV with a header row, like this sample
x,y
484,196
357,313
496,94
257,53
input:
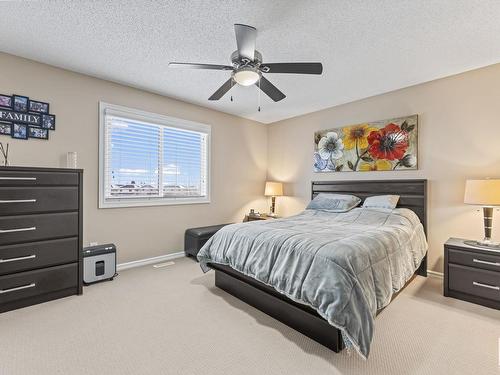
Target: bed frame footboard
x,y
293,315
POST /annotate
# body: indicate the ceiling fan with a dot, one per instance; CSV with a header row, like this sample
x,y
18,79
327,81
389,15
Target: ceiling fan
x,y
247,66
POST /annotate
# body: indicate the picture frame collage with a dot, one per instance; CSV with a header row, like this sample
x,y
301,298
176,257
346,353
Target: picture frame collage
x,y
21,107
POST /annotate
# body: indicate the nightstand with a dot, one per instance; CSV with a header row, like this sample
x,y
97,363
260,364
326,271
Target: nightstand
x,y
472,273
260,217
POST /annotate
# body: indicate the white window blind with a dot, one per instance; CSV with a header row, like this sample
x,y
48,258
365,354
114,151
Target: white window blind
x,y
148,159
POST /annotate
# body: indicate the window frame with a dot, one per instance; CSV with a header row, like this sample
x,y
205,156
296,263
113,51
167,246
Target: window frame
x,y
156,119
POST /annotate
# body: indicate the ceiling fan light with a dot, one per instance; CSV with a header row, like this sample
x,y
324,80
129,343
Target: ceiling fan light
x,y
246,77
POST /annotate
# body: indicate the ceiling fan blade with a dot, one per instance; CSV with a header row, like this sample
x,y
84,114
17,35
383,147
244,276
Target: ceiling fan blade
x,y
199,66
245,40
293,68
222,90
270,90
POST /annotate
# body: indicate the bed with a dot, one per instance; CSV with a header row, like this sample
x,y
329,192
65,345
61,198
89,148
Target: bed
x,y
367,255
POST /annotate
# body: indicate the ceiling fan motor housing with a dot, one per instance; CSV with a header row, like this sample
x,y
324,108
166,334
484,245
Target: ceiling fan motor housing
x,y
246,72
238,61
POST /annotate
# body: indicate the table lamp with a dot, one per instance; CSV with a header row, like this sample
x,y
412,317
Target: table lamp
x,y
485,193
273,190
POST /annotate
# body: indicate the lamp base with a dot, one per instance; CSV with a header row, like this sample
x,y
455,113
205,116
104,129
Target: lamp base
x,y
484,244
272,212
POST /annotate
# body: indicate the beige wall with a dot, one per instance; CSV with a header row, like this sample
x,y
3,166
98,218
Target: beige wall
x,y
238,157
459,138
459,134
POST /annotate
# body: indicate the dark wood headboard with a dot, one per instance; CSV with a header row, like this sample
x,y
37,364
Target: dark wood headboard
x,y
413,193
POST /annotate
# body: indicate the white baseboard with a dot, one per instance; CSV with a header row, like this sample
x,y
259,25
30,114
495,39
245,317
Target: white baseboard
x,y
148,261
435,274
180,254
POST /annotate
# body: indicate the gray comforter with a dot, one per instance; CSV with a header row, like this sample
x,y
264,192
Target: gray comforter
x,y
344,265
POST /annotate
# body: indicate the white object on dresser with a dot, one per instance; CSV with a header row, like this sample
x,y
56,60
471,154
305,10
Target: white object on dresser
x,y
71,159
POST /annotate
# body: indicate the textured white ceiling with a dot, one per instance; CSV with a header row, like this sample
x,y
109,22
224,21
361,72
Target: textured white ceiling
x,y
366,47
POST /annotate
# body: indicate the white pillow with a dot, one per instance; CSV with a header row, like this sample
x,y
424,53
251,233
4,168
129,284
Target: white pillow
x,y
381,201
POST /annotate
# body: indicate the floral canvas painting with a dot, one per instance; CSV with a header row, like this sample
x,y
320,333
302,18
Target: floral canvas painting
x,y
387,145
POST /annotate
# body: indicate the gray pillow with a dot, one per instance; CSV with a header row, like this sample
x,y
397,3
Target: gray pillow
x,y
381,201
333,202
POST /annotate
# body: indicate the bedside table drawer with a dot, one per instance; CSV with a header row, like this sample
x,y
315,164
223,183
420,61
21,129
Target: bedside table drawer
x,y
466,258
474,281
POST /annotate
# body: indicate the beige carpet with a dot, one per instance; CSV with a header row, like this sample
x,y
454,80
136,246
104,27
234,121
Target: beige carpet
x,y
174,321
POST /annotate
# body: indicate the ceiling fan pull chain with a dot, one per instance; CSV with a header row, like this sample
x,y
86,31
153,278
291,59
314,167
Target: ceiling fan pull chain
x,y
258,109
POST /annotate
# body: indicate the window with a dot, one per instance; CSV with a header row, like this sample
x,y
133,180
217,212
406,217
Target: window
x,y
147,159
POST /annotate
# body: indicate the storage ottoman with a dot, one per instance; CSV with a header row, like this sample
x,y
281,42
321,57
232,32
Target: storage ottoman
x,y
195,238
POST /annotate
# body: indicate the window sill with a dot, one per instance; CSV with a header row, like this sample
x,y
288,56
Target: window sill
x,y
152,202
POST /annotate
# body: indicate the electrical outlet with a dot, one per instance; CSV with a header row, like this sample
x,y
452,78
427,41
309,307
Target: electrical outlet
x,y
93,244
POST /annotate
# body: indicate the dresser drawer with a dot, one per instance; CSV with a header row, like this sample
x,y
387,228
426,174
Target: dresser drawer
x,y
37,178
474,281
476,260
26,200
22,257
28,228
32,283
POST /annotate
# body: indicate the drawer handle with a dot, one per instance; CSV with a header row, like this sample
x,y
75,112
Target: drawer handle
x,y
17,230
19,201
486,262
494,287
15,289
18,178
17,259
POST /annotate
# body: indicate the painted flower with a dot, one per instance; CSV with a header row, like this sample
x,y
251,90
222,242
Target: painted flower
x,y
357,134
319,164
330,146
408,161
378,165
388,143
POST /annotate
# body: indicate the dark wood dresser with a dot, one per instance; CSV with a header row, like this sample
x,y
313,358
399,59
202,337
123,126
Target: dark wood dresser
x,y
40,235
472,273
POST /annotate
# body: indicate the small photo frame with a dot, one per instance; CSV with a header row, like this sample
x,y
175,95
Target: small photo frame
x,y
21,103
5,101
5,129
49,122
38,107
38,133
19,131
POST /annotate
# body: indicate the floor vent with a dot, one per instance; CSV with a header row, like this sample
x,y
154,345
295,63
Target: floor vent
x,y
164,264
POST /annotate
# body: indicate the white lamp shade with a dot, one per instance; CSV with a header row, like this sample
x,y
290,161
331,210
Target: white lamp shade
x,y
482,192
273,189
